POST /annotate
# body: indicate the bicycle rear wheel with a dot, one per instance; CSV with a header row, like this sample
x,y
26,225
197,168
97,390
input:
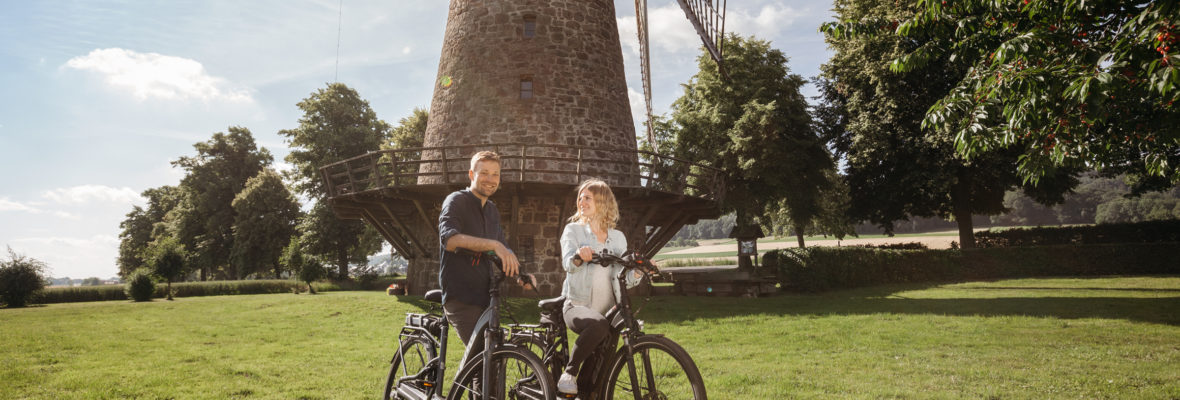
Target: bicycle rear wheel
x,y
537,346
663,370
519,375
414,354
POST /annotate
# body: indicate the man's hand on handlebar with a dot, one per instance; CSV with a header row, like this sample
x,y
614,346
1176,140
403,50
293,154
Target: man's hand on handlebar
x,y
508,259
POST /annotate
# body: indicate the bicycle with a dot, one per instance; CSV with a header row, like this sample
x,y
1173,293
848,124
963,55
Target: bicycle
x,y
644,366
418,366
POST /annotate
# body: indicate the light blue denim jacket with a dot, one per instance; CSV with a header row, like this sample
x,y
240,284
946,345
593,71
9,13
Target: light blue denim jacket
x,y
577,278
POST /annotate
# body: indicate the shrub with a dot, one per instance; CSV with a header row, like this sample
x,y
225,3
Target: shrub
x,y
140,285
1138,232
817,269
21,279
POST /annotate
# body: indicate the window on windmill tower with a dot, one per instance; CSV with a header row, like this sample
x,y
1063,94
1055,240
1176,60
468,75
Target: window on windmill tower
x,y
526,88
530,26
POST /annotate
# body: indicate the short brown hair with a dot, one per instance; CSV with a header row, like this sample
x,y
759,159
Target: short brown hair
x,y
484,156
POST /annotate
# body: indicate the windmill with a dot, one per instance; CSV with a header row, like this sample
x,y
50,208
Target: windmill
x,y
542,83
707,17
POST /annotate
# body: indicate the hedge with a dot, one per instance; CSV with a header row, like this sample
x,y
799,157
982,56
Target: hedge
x,y
817,269
207,288
1135,232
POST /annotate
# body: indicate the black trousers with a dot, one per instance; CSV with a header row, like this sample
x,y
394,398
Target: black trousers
x,y
591,328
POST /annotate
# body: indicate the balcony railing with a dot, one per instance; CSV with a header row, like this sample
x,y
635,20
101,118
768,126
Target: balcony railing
x,y
524,163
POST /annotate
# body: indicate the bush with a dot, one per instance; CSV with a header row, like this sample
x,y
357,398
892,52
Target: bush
x,y
140,285
817,269
21,279
1139,232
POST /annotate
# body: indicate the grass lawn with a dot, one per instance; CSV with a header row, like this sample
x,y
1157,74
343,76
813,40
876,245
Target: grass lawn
x,y
1109,337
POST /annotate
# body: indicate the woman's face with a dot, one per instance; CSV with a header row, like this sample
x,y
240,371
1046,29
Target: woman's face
x,y
586,204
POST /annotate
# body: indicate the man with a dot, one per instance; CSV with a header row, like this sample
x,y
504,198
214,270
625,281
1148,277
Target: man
x,y
470,221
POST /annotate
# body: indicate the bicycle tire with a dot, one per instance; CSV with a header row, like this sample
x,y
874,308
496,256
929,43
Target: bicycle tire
x,y
675,374
537,346
415,352
521,379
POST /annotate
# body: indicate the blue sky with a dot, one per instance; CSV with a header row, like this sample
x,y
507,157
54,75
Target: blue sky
x,y
99,96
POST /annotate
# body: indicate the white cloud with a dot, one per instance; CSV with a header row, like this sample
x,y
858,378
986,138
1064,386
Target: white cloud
x,y
31,208
9,205
93,242
406,50
90,193
770,21
152,75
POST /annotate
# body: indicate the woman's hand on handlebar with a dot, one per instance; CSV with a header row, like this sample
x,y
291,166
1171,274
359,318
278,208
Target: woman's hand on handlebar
x,y
586,254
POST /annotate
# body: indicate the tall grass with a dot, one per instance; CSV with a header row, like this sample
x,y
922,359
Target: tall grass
x,y
1101,337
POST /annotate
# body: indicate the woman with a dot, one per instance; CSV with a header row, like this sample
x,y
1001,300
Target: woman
x,y
590,289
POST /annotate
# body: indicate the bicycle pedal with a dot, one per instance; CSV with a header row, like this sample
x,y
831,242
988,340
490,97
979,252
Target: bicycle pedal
x,y
568,395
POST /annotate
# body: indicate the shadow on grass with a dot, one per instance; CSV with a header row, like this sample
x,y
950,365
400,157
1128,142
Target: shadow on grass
x,y
1157,310
1108,303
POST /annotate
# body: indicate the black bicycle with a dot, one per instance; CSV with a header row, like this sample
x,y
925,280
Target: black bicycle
x,y
419,364
643,367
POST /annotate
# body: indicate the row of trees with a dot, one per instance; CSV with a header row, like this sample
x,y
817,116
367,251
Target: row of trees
x,y
941,109
233,216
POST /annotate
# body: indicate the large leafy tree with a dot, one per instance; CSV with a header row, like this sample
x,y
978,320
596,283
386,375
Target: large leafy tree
x,y
144,225
205,218
1066,83
266,217
872,116
756,128
336,124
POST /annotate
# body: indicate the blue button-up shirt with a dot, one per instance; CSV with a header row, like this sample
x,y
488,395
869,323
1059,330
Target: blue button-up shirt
x,y
459,278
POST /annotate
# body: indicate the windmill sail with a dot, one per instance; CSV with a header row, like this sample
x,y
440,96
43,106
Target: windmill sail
x,y
707,17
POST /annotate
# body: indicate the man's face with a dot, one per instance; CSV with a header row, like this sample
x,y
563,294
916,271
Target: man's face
x,y
485,178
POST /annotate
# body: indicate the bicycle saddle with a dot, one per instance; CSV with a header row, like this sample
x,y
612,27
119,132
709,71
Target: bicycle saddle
x,y
551,305
434,296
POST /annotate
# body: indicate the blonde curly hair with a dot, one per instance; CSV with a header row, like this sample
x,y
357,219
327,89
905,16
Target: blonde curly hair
x,y
604,203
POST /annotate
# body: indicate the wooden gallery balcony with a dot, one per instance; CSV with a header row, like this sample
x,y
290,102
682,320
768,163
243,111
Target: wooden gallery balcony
x,y
400,191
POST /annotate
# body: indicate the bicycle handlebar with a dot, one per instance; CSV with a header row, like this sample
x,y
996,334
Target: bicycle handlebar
x,y
522,279
633,260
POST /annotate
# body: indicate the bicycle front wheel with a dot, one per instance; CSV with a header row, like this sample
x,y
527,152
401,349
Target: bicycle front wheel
x,y
662,370
518,374
414,354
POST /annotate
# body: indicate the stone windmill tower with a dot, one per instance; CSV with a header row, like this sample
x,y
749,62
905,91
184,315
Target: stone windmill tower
x,y
542,83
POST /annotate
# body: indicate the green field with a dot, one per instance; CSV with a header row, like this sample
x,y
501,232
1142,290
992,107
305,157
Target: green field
x,y
1111,337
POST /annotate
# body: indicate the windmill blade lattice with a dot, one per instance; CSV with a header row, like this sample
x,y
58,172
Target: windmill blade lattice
x,y
707,17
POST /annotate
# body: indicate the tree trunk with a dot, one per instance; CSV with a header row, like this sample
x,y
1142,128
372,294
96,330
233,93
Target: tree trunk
x,y
342,263
799,236
310,290
169,289
962,208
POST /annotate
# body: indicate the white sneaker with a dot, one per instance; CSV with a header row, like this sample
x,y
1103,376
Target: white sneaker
x,y
568,383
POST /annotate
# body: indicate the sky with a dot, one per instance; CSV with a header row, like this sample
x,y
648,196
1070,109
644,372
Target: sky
x,y
100,96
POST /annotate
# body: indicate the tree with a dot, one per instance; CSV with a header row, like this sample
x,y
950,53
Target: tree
x,y
308,270
166,259
345,242
755,128
1066,82
266,217
144,225
898,169
21,278
408,134
92,281
337,124
204,220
